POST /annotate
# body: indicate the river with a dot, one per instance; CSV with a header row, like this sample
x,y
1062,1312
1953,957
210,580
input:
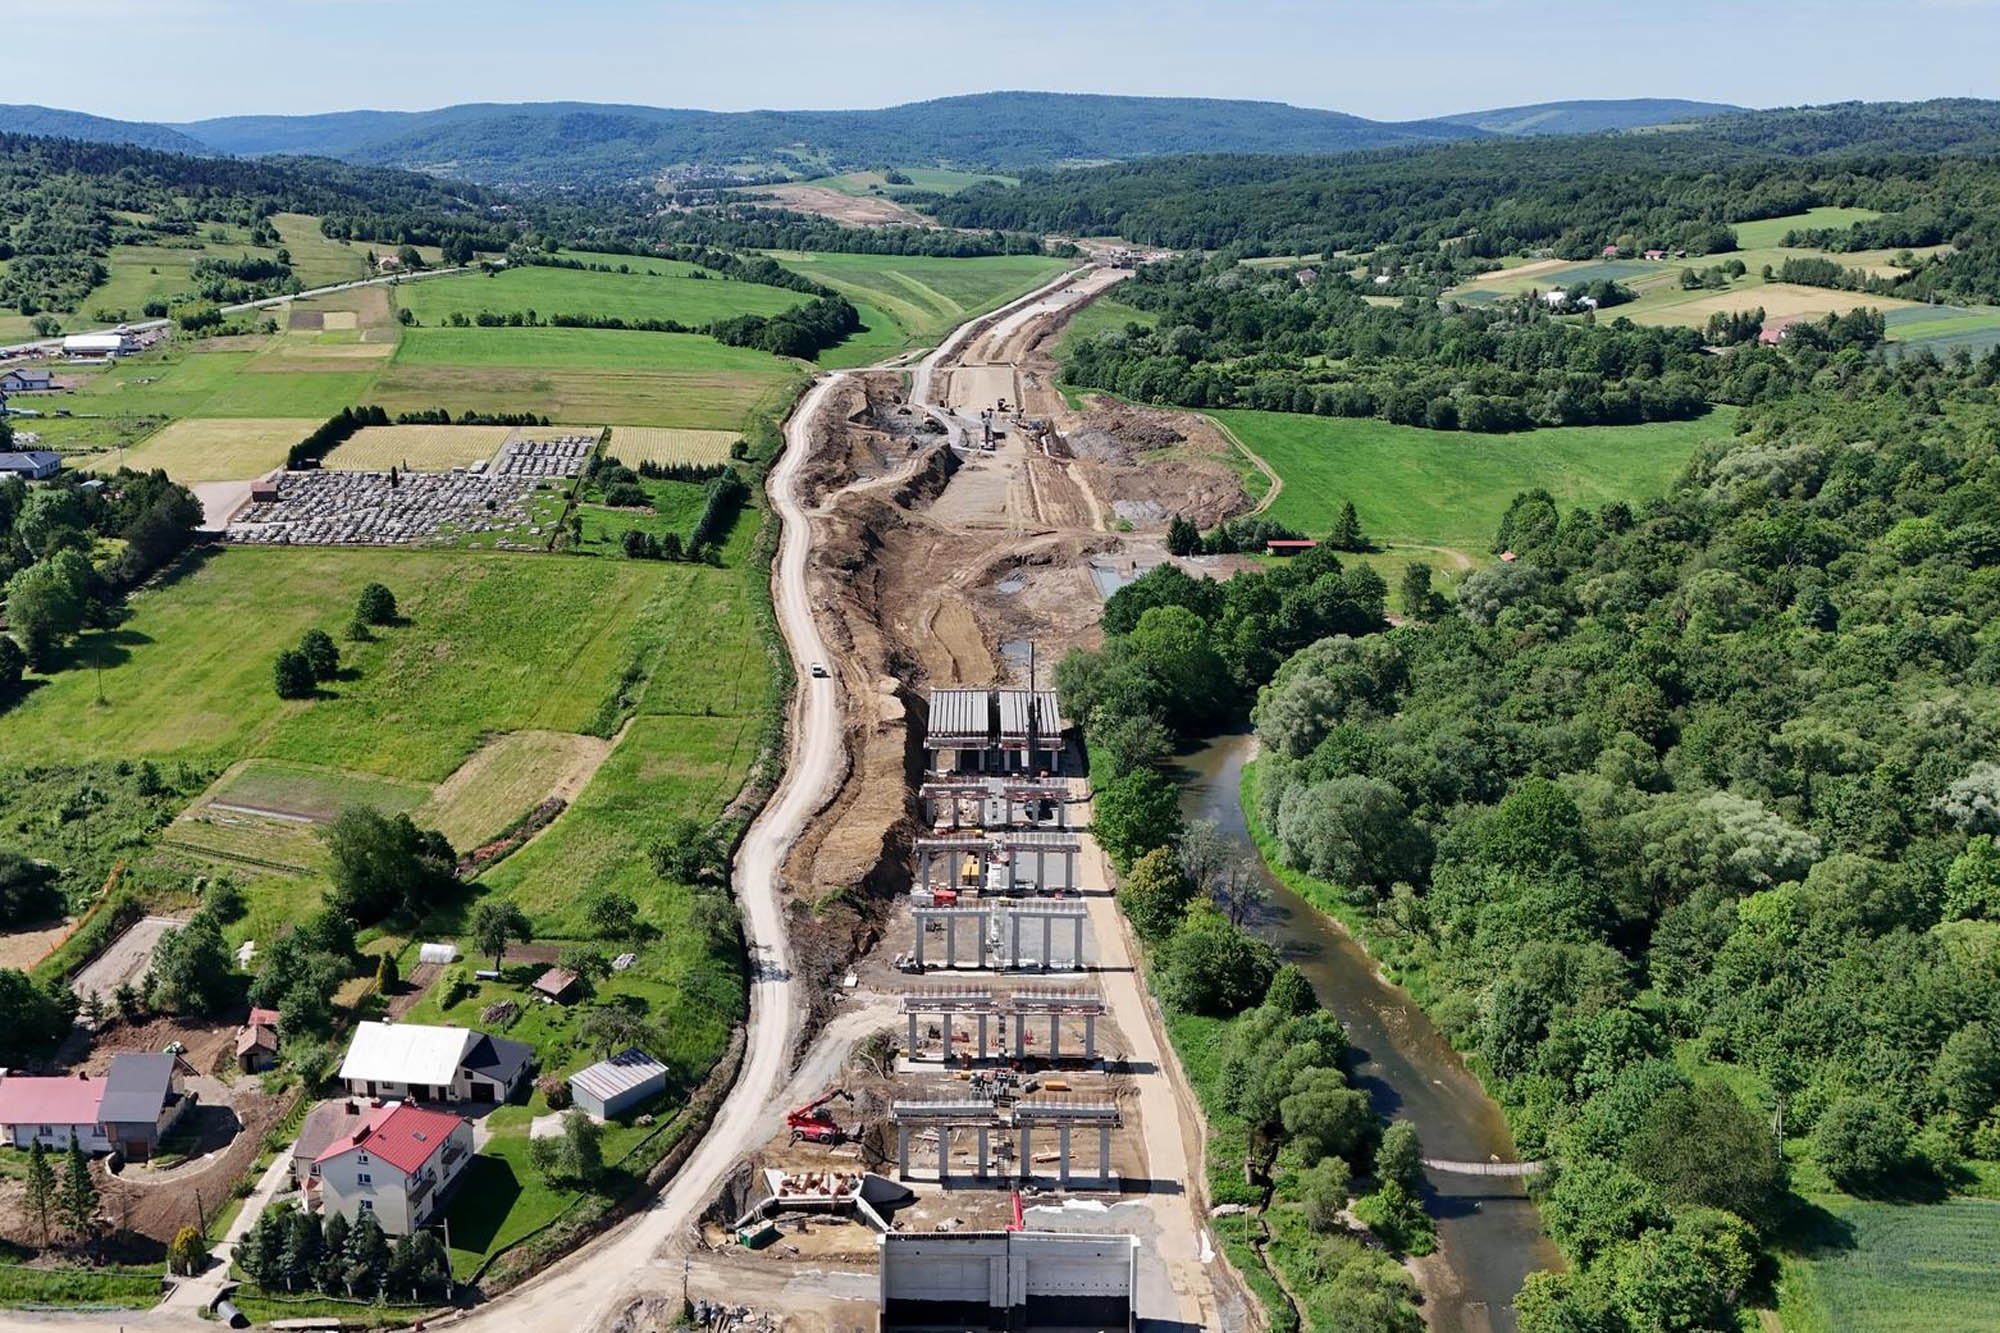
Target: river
x,y
1489,1235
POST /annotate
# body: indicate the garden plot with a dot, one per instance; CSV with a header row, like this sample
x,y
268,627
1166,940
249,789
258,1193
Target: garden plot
x,y
508,778
633,445
266,812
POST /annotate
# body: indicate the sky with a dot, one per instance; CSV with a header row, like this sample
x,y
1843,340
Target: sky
x,y
175,60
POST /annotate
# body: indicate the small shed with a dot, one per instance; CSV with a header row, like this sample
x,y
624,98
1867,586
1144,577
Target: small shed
x,y
446,952
256,1048
612,1087
264,492
557,984
1289,545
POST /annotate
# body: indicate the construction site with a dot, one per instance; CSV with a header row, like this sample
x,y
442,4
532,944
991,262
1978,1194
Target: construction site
x,y
984,1128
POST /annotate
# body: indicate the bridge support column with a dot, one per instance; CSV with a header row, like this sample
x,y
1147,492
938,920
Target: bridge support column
x,y
912,1043
902,1152
1062,1144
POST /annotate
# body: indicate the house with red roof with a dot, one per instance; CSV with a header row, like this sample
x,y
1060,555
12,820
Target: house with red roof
x,y
399,1164
58,1110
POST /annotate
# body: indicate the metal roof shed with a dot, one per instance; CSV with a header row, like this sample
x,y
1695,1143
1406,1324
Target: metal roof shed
x,y
612,1087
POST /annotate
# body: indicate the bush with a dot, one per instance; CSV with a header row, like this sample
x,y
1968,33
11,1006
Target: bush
x,y
316,645
1860,1142
555,1091
456,988
188,1254
1211,967
626,495
293,676
376,606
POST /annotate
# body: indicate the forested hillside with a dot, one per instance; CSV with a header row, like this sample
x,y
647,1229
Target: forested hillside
x,y
1589,117
1568,196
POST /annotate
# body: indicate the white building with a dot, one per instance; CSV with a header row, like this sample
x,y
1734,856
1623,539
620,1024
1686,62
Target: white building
x,y
115,343
424,1063
610,1088
399,1165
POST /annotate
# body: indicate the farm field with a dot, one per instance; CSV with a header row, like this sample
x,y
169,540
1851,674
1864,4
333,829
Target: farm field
x,y
1778,300
578,349
1449,488
633,445
506,777
199,449
1771,231
1944,329
1897,1268
493,643
925,295
940,180
416,448
552,291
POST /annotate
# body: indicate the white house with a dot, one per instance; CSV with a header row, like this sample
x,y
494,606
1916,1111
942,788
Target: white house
x,y
399,1164
26,379
426,1063
55,1110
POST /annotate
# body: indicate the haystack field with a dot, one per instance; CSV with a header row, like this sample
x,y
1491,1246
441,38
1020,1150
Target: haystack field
x,y
1780,300
418,448
633,445
198,449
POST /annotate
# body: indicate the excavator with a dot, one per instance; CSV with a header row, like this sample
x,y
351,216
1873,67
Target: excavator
x,y
813,1123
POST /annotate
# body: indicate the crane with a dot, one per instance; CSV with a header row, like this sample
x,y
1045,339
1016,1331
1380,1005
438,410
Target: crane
x,y
813,1123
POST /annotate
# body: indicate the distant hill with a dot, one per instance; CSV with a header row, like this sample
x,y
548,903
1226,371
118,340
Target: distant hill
x,y
1589,117
54,124
584,141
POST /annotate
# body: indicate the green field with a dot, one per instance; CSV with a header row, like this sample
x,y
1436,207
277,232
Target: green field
x,y
937,180
1897,1268
1104,315
558,291
925,296
1771,231
1449,488
579,349
494,643
676,506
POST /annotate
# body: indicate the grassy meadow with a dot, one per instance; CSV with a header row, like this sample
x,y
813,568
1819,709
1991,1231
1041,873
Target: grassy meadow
x,y
557,291
925,296
1449,488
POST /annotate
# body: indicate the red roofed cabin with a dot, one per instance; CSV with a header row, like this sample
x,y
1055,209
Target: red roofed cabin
x,y
399,1164
1289,545
1611,252
1775,330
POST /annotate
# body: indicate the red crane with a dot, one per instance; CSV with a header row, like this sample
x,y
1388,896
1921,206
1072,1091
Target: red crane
x,y
813,1123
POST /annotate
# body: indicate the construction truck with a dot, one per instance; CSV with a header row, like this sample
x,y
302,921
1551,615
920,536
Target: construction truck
x,y
814,1123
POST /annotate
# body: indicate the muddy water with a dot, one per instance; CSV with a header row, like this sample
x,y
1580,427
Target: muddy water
x,y
1489,1235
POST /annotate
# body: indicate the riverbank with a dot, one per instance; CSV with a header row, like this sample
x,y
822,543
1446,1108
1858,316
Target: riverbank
x,y
1490,1235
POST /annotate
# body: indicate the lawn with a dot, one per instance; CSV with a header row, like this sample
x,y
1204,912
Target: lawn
x,y
213,448
675,507
926,296
1449,488
557,291
228,377
109,1288
1892,1268
492,643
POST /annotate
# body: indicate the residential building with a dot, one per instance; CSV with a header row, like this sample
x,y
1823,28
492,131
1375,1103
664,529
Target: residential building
x,y
626,1081
30,464
26,379
400,1164
128,1111
143,1098
427,1063
325,1125
57,1109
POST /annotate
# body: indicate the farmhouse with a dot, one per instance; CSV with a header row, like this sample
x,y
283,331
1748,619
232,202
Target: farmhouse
x,y
30,464
995,730
257,1043
26,379
1611,252
1776,331
612,1087
398,1164
1656,255
325,1125
127,1111
115,343
433,1064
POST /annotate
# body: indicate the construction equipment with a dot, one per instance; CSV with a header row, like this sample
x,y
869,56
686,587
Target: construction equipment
x,y
813,1123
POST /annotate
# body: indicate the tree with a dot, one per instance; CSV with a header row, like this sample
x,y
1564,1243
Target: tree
x,y
494,922
688,852
1129,741
300,1257
40,1185
1351,831
1702,1146
1418,599
382,864
1860,1143
76,1198
1134,814
1400,1156
575,1157
187,1255
612,915
1324,1116
1290,993
1972,884
376,605
366,1256
318,649
13,661
29,889
292,675
1208,966
192,968
1323,1189
1966,1078
331,1275
1183,537
1347,534
386,975
32,1018
610,1028
1155,894
48,602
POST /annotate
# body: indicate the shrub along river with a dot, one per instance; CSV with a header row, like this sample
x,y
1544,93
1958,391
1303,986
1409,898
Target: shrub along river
x,y
1489,1234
